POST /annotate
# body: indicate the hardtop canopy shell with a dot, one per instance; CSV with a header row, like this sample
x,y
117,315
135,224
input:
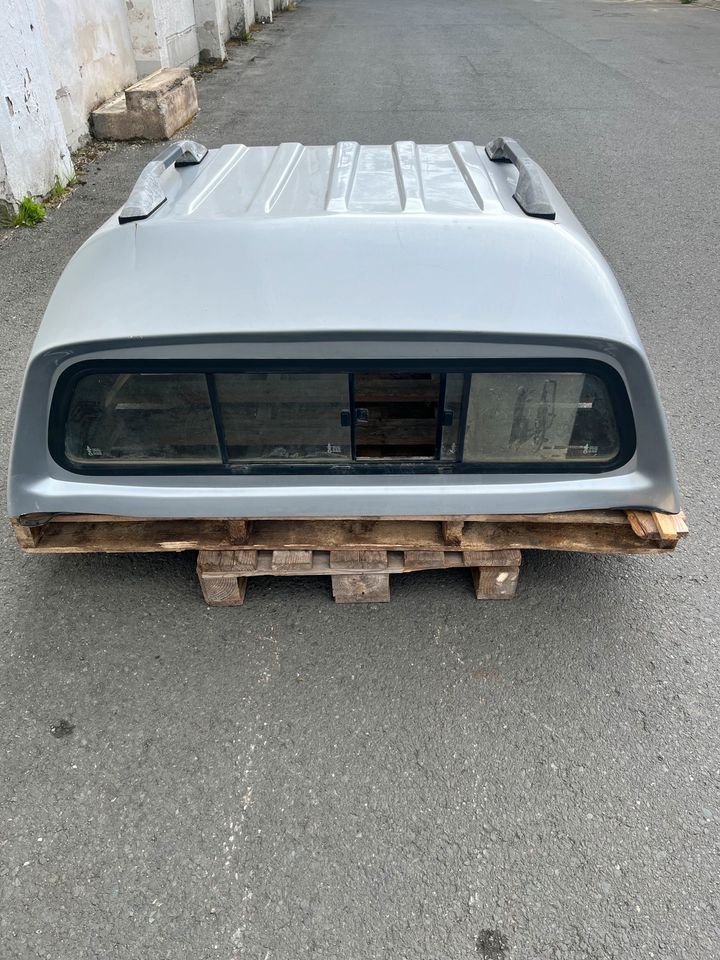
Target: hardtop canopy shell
x,y
401,252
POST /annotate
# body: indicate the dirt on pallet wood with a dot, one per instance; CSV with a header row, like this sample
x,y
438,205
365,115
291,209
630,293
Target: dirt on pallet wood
x,y
359,555
572,532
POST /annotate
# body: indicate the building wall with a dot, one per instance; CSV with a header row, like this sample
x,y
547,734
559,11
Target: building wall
x,y
163,34
241,16
90,54
213,29
33,145
59,59
177,24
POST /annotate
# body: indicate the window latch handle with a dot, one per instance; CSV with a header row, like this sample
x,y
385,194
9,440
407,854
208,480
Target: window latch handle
x,y
344,418
447,418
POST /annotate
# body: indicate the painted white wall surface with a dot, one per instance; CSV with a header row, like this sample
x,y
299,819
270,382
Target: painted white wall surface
x,y
33,147
264,10
211,18
91,57
163,34
178,20
241,16
224,18
142,23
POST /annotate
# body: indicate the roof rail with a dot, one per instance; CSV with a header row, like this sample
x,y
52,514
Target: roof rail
x,y
147,194
530,192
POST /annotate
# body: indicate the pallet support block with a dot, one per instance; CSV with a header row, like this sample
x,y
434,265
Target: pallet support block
x,y
452,532
223,591
358,554
495,573
361,587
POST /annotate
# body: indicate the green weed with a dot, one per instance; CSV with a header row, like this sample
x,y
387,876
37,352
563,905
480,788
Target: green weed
x,y
30,213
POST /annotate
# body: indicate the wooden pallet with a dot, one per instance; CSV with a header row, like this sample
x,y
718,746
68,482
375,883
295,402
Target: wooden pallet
x,y
359,554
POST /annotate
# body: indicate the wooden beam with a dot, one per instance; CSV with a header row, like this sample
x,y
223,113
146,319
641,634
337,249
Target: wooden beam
x,y
358,559
361,587
665,526
636,533
223,591
424,559
452,532
239,530
495,583
492,558
227,561
27,537
296,560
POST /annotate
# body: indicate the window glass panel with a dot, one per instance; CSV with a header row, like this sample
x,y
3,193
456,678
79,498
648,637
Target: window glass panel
x,y
539,417
286,416
452,412
396,415
141,418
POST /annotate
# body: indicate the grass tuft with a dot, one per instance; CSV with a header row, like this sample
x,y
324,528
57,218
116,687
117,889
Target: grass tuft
x,y
30,213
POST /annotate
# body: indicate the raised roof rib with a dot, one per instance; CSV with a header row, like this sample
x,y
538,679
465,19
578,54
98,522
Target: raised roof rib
x,y
342,176
466,158
293,180
409,176
281,168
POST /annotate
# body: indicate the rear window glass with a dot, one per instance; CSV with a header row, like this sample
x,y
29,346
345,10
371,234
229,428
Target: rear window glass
x,y
285,416
342,419
539,417
149,418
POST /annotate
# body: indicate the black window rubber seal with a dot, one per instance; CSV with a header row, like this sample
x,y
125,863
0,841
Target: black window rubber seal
x,y
617,394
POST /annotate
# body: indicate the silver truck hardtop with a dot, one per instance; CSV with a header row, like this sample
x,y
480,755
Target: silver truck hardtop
x,y
405,257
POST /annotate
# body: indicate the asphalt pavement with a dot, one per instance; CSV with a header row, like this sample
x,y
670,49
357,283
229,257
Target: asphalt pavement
x,y
433,777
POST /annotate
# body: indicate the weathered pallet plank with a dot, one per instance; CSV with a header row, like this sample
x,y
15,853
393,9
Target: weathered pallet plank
x,y
296,561
495,573
426,559
491,558
322,565
361,587
358,559
226,591
495,583
573,532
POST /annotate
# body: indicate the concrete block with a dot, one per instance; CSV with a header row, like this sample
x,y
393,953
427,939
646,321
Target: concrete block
x,y
152,109
112,121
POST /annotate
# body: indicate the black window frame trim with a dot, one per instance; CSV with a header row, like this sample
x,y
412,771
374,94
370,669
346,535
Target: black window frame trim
x,y
613,381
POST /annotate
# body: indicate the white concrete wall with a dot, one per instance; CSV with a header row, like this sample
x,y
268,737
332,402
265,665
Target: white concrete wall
x,y
179,33
264,10
241,16
59,59
163,34
33,147
91,57
213,29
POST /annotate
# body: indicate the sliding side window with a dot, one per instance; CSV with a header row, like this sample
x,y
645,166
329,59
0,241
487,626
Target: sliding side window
x,y
518,418
141,418
285,416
